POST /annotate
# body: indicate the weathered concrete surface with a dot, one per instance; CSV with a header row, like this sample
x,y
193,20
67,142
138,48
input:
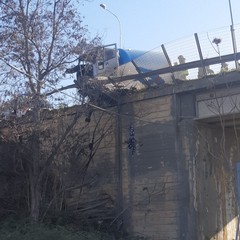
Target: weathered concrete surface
x,y
210,152
168,175
150,176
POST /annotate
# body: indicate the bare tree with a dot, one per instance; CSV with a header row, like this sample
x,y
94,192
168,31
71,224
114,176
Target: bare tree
x,y
38,38
54,158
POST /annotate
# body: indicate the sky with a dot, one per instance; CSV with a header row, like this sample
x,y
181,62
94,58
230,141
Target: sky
x,y
146,24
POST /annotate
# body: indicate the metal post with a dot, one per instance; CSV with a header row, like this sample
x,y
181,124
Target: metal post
x,y
169,61
234,46
200,54
233,35
230,8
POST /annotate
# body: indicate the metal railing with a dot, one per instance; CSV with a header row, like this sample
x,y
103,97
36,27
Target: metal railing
x,y
199,55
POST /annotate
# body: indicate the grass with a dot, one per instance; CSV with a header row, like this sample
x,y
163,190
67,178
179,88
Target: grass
x,y
23,230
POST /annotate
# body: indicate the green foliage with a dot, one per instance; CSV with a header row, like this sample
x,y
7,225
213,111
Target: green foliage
x,y
23,230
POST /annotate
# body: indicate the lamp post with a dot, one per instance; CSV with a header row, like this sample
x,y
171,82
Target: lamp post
x,y
103,6
230,9
233,34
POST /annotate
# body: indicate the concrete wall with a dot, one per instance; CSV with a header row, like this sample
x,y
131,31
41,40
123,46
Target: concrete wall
x,y
151,183
178,180
95,199
210,152
160,173
89,184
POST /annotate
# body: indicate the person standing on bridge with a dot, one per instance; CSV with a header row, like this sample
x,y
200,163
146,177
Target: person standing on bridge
x,y
182,75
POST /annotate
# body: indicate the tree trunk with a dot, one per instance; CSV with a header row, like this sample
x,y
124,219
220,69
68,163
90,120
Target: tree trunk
x,y
35,187
35,201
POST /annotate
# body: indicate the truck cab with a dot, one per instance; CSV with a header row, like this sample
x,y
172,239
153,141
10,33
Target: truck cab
x,y
107,61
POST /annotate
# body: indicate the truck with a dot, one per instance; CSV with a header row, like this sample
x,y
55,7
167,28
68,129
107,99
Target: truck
x,y
109,61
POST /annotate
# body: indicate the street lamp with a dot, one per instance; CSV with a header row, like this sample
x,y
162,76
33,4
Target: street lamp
x,y
103,6
230,9
233,34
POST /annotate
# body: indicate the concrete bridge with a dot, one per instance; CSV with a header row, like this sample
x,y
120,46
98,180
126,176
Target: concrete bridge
x,y
177,178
